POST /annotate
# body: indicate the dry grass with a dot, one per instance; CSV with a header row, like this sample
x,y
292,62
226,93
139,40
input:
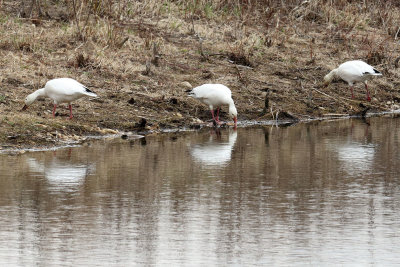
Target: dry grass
x,y
136,54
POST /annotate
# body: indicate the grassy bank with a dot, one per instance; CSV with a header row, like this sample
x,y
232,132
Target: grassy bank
x,y
136,55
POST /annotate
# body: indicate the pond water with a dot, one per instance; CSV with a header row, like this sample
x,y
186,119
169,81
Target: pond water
x,y
319,193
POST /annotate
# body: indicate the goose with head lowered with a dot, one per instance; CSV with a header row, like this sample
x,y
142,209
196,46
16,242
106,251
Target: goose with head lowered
x,y
352,72
61,90
215,95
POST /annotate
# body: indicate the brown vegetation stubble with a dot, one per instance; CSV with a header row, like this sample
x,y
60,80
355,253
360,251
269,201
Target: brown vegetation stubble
x,y
137,66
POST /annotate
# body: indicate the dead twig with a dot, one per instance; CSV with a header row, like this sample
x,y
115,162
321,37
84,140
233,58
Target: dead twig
x,y
240,77
192,31
397,33
156,55
396,62
204,57
123,42
148,68
77,19
266,101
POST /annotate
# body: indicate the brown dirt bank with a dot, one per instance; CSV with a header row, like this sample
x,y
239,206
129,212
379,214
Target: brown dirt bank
x,y
136,56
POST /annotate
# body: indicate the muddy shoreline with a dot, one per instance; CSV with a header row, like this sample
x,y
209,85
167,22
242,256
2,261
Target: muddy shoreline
x,y
109,134
273,60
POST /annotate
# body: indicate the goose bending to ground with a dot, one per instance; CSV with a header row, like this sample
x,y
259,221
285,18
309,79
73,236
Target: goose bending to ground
x,y
62,90
352,72
215,95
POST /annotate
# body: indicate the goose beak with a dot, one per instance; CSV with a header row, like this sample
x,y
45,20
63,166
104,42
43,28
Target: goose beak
x,y
235,120
24,108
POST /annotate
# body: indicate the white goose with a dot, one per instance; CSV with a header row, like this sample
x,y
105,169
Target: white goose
x,y
215,95
62,90
353,71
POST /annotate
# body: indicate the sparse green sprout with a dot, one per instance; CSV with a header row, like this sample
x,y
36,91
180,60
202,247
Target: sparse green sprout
x,y
237,11
175,25
208,10
3,19
65,27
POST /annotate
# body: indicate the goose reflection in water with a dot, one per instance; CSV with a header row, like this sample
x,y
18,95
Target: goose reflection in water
x,y
216,152
61,173
357,154
357,158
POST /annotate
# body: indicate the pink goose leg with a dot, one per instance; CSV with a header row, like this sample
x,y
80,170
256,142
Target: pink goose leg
x,y
54,110
212,113
217,118
70,111
368,97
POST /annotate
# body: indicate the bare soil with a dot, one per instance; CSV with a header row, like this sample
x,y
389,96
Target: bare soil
x,y
140,68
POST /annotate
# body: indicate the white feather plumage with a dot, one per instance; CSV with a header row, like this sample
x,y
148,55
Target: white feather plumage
x,y
214,96
352,72
61,90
